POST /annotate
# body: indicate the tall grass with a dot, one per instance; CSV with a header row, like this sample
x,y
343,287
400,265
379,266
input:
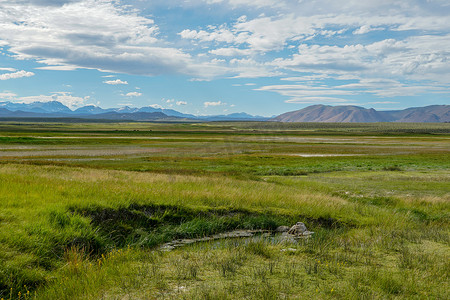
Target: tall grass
x,y
88,227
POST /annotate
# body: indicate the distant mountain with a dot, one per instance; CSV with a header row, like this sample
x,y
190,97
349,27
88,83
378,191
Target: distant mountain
x,y
55,109
126,110
314,113
350,114
90,110
4,111
427,114
37,107
135,116
169,112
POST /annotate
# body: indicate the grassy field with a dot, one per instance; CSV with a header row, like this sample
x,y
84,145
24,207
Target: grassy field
x,y
85,207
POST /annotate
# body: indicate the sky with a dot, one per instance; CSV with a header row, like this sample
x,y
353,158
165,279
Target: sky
x,y
263,57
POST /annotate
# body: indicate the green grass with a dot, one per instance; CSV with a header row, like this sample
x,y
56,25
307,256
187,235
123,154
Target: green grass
x,y
84,207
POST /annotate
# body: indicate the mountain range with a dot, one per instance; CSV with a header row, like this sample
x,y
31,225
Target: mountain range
x,y
353,114
314,113
55,109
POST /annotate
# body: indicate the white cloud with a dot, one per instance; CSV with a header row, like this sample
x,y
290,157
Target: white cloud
x,y
103,35
15,75
181,103
328,100
260,34
115,82
306,77
8,95
313,92
217,103
296,91
301,22
8,69
58,68
366,29
418,58
249,68
133,94
63,97
113,37
155,106
230,52
220,35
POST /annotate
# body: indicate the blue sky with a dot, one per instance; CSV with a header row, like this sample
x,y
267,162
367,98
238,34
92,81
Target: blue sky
x,y
264,57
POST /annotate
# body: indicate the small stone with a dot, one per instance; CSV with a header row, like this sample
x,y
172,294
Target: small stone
x,y
187,241
289,250
298,229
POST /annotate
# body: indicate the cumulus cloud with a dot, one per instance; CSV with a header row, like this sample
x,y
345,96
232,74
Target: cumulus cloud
x,y
299,24
216,103
366,29
63,97
181,103
265,38
133,94
91,34
156,106
15,75
230,51
115,82
417,58
8,95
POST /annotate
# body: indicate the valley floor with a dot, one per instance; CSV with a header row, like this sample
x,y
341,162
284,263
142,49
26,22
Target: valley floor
x,y
85,207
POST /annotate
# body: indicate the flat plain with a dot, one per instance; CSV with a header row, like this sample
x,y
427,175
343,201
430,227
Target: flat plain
x,y
84,208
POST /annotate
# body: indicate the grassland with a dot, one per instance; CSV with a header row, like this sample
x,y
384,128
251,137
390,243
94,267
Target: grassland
x,y
84,207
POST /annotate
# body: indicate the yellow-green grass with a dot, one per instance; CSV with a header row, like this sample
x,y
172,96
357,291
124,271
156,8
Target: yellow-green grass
x,y
258,269
33,198
88,226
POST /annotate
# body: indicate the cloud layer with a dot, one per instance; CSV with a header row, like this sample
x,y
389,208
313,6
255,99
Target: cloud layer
x,y
18,74
332,50
93,34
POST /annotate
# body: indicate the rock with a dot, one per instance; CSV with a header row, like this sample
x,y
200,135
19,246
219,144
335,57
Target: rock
x,y
282,229
298,229
233,234
308,233
289,250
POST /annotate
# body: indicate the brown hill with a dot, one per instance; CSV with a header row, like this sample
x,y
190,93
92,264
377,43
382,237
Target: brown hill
x,y
356,114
